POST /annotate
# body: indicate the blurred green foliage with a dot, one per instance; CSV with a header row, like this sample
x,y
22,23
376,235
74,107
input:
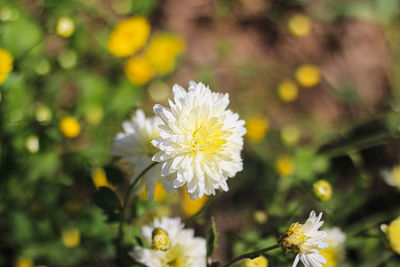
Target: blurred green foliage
x,y
46,190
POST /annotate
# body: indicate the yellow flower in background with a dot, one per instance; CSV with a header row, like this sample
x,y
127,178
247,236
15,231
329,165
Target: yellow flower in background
x,y
71,238
323,190
299,25
163,50
287,91
393,235
139,70
129,36
99,178
191,207
392,176
24,262
308,75
159,192
6,64
336,250
285,165
65,27
257,128
260,216
70,127
260,261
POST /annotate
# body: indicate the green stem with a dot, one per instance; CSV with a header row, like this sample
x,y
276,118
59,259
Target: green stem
x,y
360,144
251,255
370,221
125,204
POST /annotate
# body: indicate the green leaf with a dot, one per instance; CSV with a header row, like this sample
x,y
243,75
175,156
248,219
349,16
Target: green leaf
x,y
21,36
214,264
106,199
212,238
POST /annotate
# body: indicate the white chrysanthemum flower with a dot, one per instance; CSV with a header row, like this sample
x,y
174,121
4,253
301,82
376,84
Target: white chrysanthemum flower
x,y
184,250
200,140
336,251
392,176
134,147
306,240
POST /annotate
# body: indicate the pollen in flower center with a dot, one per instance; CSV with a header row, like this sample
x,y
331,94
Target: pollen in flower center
x,y
292,240
207,139
175,257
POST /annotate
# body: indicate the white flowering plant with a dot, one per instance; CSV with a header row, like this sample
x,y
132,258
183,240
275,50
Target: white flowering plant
x,y
283,150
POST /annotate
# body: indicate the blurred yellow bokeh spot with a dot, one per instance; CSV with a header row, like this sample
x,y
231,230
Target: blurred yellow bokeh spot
x,y
71,238
163,50
139,70
257,128
300,25
260,261
323,190
70,127
159,192
65,27
393,235
285,165
94,115
24,262
129,36
6,64
32,144
287,91
43,114
290,135
99,178
308,75
332,256
191,207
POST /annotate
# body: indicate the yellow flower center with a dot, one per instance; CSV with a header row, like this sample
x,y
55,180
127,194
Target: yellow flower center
x,y
175,257
160,239
208,139
293,239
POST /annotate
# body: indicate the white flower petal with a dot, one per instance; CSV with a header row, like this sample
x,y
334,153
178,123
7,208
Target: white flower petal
x,y
185,248
135,148
201,141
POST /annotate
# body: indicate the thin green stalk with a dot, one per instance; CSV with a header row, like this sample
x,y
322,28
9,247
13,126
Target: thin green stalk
x,y
125,204
370,221
251,255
